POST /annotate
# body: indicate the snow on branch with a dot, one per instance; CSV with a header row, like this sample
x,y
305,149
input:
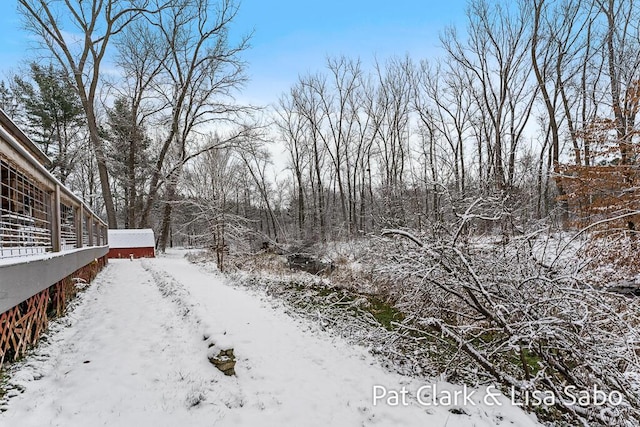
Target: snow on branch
x,y
497,314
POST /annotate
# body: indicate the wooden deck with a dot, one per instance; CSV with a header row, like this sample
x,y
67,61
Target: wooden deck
x,y
49,240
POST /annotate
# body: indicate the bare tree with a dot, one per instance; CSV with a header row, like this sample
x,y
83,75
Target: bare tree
x,y
431,167
209,184
390,117
200,71
309,106
622,52
140,57
340,109
442,100
256,159
81,53
558,38
495,56
291,126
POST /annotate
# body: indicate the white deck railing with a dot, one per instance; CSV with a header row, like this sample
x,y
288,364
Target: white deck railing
x,y
37,213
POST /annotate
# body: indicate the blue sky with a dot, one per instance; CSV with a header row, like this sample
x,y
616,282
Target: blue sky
x,y
293,37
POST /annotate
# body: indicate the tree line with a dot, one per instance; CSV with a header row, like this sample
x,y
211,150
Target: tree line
x,y
127,96
534,105
531,106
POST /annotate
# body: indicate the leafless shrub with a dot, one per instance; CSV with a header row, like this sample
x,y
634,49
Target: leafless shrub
x,y
502,314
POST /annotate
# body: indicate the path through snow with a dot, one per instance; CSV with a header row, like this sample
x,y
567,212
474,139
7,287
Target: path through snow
x,y
134,355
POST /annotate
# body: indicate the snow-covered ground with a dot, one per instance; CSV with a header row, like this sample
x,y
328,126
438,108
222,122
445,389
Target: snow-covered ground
x,y
132,353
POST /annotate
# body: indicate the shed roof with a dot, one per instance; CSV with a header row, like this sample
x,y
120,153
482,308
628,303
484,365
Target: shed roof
x,y
132,238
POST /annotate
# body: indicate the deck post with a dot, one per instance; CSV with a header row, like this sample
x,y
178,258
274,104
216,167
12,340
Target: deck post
x,y
90,229
55,220
79,225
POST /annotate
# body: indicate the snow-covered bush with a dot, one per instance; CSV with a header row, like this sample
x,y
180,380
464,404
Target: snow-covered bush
x,y
499,313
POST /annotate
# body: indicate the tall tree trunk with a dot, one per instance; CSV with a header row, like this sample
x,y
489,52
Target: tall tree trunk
x,y
166,216
301,213
101,162
551,111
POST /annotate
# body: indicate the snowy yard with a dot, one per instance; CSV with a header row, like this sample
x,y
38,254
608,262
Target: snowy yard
x,y
132,353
